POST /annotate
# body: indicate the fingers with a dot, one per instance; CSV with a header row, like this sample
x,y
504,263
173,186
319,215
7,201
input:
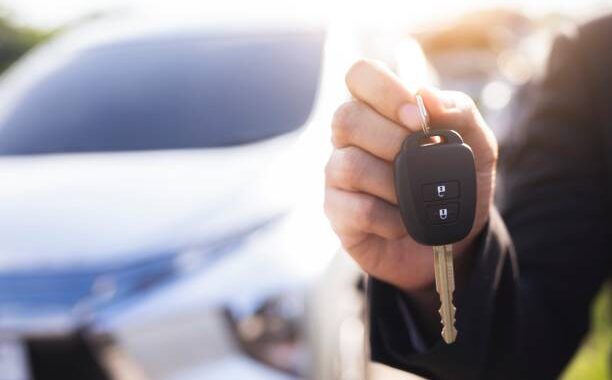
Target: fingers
x,y
352,169
356,213
456,110
356,124
374,84
368,133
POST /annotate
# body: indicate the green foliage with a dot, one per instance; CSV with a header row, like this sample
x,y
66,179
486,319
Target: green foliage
x,y
593,361
15,41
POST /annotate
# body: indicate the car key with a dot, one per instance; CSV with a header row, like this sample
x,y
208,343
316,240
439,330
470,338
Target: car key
x,y
435,184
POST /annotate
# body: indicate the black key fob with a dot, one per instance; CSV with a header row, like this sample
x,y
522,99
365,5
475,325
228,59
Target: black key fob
x,y
436,187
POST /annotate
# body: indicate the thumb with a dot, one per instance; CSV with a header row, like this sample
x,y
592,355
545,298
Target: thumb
x,y
450,109
456,110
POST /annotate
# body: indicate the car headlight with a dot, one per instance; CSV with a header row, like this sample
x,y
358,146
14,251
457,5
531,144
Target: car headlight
x,y
274,333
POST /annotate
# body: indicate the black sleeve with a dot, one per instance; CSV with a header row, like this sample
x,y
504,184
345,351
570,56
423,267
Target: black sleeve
x,y
556,212
488,300
556,205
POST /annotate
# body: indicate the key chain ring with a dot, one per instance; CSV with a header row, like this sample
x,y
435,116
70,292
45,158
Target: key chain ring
x,y
423,115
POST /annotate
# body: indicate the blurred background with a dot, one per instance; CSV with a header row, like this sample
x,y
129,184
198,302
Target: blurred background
x,y
161,170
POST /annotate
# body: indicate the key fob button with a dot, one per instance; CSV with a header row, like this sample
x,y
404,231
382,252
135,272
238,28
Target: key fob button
x,y
444,213
436,187
441,191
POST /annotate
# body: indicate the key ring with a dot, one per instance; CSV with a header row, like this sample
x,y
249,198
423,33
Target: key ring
x,y
423,115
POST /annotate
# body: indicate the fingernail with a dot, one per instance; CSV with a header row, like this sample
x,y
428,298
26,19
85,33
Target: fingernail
x,y
409,116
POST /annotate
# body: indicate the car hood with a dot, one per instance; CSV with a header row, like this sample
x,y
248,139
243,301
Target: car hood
x,y
83,210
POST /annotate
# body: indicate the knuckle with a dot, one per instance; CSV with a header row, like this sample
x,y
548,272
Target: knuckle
x,y
357,67
330,205
360,66
464,98
366,211
468,111
342,123
327,206
330,167
465,103
346,167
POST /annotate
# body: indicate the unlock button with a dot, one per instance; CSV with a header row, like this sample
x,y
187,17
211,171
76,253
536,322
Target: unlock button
x,y
441,214
440,191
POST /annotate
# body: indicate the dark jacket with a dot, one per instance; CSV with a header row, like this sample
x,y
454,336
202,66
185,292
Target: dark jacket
x,y
538,266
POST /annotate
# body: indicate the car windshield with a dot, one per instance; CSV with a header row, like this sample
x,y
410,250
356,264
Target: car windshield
x,y
171,93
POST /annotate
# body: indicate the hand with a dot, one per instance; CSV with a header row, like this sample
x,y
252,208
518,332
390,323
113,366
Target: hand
x,y
360,199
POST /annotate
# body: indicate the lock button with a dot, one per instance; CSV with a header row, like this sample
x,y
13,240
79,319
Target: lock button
x,y
441,191
444,213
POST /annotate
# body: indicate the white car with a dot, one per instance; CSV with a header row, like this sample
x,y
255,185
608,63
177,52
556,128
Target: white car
x,y
161,200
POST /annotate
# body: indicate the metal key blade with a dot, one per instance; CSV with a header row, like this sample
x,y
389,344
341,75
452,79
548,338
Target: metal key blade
x,y
445,286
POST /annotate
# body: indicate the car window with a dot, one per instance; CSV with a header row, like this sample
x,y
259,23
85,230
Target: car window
x,y
190,92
